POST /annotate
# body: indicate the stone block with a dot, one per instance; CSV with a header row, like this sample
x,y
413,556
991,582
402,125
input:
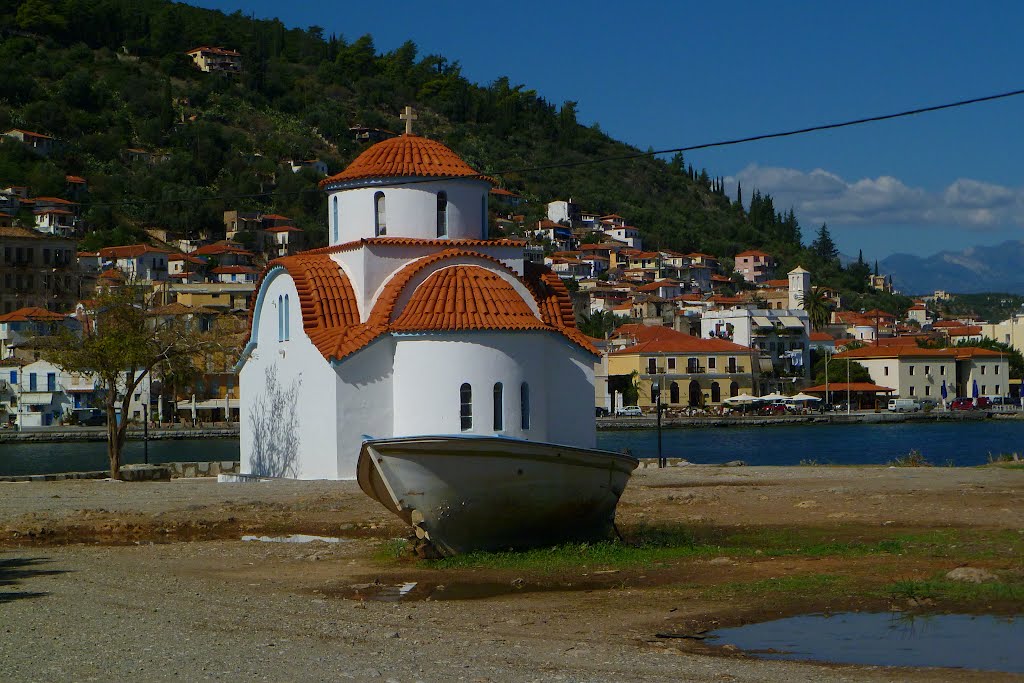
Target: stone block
x,y
145,473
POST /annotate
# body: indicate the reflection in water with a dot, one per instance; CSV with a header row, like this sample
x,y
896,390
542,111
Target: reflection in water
x,y
885,639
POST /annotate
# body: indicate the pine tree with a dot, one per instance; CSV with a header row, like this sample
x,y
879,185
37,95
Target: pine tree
x,y
739,194
823,246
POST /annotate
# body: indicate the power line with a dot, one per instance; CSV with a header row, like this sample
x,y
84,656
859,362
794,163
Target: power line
x,y
623,157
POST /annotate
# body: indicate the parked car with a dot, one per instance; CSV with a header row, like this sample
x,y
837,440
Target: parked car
x,y
982,402
962,403
601,412
928,403
904,405
629,411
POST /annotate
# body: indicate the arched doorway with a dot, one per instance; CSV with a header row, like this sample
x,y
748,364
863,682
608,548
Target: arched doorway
x,y
734,389
696,395
716,393
673,393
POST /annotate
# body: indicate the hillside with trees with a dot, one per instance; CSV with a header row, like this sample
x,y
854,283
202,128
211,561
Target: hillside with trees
x,y
106,76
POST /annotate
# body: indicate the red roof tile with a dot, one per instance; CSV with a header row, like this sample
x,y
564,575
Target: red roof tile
x,y
840,387
657,339
403,157
130,251
412,242
464,296
31,313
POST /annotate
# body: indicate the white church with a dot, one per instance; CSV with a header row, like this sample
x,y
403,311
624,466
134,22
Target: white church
x,y
412,322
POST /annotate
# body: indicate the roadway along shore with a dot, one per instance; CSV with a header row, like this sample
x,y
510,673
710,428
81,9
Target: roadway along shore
x,y
856,417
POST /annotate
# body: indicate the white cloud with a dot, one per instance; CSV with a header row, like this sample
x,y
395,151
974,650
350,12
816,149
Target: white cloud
x,y
821,196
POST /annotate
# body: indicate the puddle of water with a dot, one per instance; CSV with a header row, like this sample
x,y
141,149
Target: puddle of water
x,y
294,538
985,643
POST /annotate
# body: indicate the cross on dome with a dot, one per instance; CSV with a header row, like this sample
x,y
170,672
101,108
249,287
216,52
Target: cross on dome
x,y
409,115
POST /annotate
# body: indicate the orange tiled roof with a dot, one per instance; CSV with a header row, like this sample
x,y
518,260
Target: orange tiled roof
x,y
460,297
412,242
130,251
966,330
839,387
31,313
466,298
657,339
406,156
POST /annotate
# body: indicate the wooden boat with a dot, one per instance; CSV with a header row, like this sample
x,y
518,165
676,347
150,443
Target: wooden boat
x,y
466,493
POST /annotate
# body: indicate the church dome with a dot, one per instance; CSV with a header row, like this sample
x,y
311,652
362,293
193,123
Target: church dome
x,y
406,156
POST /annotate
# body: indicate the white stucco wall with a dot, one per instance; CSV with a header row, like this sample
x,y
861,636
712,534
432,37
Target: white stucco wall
x,y
311,410
365,383
411,210
430,371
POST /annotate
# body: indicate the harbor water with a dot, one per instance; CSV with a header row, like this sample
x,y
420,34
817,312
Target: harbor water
x,y
958,444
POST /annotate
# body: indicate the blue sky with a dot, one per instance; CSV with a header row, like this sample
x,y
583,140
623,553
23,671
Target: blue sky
x,y
669,74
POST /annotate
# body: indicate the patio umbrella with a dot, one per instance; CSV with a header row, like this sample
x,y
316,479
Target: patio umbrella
x,y
944,391
741,398
804,397
974,389
774,397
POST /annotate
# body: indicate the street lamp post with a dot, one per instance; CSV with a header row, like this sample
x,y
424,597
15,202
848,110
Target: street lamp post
x,y
657,406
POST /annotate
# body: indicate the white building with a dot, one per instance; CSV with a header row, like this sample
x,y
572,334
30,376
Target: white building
x,y
915,372
138,262
781,335
624,233
410,323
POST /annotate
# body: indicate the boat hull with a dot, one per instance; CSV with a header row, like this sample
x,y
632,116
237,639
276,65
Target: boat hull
x,y
491,493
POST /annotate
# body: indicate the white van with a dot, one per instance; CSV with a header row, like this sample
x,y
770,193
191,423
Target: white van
x,y
904,405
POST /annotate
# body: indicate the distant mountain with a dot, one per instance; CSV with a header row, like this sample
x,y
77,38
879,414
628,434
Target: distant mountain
x,y
998,268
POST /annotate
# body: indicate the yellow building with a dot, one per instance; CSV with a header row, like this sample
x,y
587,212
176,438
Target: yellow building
x,y
688,370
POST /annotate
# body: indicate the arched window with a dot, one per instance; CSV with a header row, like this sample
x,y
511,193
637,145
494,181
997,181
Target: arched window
x,y
483,216
734,389
524,405
499,418
673,392
380,219
280,318
716,393
334,216
442,214
655,390
287,320
466,407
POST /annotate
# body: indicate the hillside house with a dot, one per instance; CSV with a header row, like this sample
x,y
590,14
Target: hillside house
x,y
216,59
755,266
137,262
43,145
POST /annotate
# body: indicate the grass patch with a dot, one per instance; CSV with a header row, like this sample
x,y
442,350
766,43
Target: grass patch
x,y
912,459
803,585
648,546
781,542
964,543
957,591
393,549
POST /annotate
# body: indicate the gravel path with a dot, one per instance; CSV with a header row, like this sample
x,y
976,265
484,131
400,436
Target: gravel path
x,y
228,610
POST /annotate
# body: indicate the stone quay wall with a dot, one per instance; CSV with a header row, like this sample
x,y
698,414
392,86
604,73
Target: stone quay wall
x,y
159,472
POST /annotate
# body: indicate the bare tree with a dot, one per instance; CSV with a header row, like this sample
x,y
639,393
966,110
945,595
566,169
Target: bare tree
x,y
121,345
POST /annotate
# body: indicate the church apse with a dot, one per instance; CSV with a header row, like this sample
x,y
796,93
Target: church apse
x,y
274,423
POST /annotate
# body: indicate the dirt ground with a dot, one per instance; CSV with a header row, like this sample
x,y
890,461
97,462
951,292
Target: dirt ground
x,y
105,580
